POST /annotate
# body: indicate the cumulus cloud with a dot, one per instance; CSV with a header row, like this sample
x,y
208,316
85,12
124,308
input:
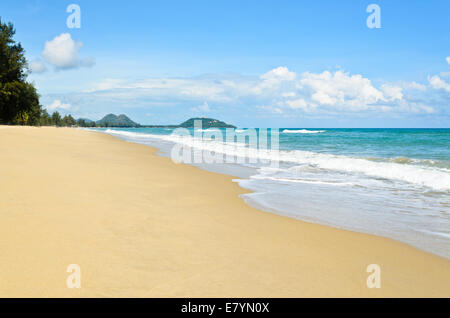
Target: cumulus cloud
x,y
63,53
391,93
301,104
341,90
448,59
57,104
278,74
280,90
274,79
37,66
438,83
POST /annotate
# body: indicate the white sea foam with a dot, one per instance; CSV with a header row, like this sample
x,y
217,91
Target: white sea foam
x,y
446,235
302,181
302,131
130,134
207,129
432,177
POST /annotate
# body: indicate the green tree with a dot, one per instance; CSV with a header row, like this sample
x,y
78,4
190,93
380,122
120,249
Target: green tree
x,y
56,119
68,121
81,123
19,101
45,119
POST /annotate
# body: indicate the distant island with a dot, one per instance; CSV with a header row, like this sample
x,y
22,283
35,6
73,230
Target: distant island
x,y
112,120
122,121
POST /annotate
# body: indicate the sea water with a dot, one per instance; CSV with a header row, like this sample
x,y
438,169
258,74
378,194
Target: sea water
x,y
389,182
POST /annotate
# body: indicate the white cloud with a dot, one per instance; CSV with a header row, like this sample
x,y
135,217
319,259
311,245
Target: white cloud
x,y
57,104
300,104
202,108
63,53
288,94
37,66
391,92
279,90
273,79
341,90
281,73
413,86
448,59
438,83
323,98
277,110
177,88
106,84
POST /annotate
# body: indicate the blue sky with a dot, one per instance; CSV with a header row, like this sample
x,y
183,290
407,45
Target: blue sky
x,y
250,63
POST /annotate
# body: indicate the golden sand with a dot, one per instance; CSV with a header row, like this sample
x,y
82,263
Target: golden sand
x,y
139,225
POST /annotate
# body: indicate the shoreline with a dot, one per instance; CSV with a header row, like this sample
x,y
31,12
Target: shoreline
x,y
141,226
260,195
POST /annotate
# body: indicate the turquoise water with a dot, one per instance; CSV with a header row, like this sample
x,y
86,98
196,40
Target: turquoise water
x,y
389,182
431,144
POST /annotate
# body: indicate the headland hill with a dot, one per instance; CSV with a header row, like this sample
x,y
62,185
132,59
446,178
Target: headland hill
x,y
122,121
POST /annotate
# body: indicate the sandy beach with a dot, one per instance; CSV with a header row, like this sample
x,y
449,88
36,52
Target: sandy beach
x,y
139,225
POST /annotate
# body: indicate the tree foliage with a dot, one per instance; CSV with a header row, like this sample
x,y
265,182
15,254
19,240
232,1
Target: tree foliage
x,y
68,121
45,119
56,119
19,101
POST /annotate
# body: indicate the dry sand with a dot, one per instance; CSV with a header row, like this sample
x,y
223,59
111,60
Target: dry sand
x,y
141,226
